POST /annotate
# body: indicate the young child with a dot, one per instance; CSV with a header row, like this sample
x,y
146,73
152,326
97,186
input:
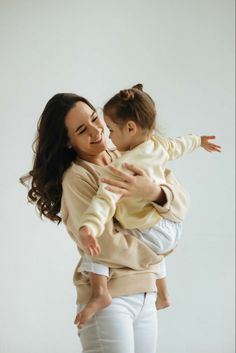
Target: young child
x,y
131,119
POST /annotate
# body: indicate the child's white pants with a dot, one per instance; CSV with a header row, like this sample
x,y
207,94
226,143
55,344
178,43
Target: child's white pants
x,y
161,238
128,325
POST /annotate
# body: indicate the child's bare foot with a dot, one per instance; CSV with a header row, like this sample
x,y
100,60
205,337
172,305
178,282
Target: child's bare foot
x,y
97,302
162,302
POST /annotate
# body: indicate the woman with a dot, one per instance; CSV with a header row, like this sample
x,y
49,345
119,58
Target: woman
x,y
70,150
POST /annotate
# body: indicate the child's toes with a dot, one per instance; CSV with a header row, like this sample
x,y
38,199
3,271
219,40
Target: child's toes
x,y
78,319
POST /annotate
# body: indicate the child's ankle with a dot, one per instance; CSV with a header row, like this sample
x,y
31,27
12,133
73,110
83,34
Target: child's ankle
x,y
164,295
99,291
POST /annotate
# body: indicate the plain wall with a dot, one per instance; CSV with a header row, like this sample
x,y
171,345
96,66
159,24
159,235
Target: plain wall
x,y
183,53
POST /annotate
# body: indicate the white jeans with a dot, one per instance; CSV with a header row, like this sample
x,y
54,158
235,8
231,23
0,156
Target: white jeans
x,y
128,325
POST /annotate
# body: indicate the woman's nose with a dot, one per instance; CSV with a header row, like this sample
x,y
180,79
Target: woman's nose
x,y
95,131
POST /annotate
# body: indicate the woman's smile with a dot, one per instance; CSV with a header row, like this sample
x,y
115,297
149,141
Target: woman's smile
x,y
98,140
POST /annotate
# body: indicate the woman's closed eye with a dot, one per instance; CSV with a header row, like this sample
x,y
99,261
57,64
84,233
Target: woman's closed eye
x,y
84,129
81,131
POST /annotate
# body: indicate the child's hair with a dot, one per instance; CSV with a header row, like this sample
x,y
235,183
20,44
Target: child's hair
x,y
132,104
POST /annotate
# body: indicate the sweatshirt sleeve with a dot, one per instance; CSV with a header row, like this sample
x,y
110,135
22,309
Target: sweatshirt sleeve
x,y
77,195
102,208
177,147
178,199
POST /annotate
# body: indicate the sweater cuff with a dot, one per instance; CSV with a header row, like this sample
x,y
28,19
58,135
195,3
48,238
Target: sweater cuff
x,y
199,141
169,196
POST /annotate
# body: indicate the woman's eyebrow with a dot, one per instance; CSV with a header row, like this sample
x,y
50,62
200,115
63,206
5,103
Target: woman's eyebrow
x,y
82,125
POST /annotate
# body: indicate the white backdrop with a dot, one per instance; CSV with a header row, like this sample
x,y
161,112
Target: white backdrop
x,y
183,53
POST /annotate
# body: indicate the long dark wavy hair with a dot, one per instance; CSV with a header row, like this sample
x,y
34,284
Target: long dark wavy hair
x,y
52,157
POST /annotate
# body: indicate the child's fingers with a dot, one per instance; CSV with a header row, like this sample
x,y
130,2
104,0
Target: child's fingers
x,y
212,150
88,251
212,137
216,148
213,147
77,319
94,250
91,251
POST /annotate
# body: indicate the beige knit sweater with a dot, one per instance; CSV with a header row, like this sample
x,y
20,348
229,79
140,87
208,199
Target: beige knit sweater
x,y
133,265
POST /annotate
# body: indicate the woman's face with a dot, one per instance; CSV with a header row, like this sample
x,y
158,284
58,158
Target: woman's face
x,y
85,131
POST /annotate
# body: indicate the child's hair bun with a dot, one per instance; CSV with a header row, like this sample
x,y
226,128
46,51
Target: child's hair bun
x,y
127,95
139,86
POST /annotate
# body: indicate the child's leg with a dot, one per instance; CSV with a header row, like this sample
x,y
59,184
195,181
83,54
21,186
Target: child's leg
x,y
163,298
100,298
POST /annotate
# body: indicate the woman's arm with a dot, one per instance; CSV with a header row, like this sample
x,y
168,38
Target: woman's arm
x,y
138,185
171,200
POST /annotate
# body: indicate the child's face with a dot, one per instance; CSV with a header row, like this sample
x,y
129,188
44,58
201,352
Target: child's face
x,y
120,136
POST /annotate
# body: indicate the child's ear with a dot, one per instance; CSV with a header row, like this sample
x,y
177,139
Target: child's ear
x,y
132,127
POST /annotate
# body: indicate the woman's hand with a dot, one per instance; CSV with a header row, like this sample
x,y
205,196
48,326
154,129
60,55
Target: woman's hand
x,y
137,185
209,146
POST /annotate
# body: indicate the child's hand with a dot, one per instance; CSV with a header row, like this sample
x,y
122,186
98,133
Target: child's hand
x,y
208,146
89,242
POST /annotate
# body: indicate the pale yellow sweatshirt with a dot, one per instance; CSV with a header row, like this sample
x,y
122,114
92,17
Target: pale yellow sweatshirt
x,y
152,156
133,265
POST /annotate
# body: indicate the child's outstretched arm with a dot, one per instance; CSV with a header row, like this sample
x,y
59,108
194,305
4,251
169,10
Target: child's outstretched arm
x,y
209,146
179,146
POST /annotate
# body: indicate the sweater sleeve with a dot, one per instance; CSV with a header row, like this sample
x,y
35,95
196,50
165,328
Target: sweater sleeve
x,y
178,199
77,195
177,147
102,208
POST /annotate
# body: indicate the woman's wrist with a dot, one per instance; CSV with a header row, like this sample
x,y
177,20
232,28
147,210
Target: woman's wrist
x,y
159,195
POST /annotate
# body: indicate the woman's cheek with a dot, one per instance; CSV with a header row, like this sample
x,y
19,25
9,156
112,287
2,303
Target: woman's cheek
x,y
82,142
